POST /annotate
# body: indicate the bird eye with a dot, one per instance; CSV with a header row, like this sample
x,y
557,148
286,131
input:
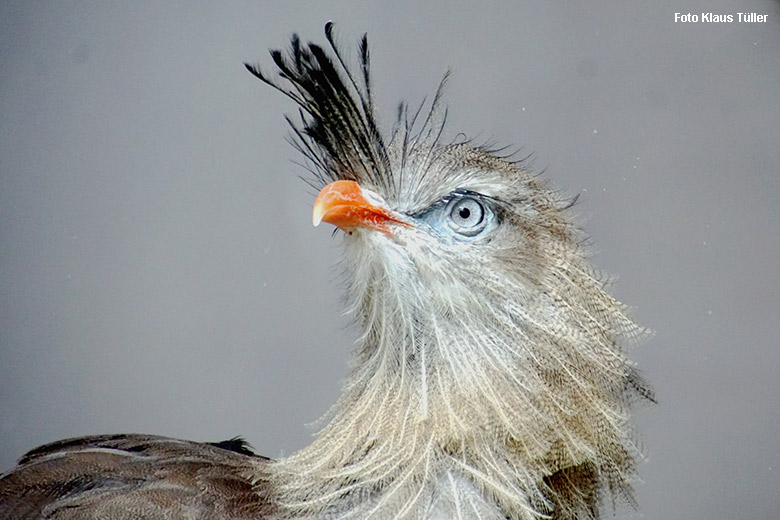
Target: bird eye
x,y
466,215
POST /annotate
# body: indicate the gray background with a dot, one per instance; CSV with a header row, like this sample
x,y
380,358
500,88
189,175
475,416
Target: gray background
x,y
158,268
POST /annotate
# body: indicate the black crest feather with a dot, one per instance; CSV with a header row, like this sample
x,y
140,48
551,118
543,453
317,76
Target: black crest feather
x,y
338,132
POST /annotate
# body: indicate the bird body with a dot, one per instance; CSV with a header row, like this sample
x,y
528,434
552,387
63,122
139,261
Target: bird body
x,y
489,378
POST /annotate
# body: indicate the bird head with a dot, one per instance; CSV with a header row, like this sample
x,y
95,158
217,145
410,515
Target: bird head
x,y
489,351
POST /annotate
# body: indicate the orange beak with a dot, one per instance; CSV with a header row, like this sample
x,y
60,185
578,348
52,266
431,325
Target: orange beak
x,y
345,205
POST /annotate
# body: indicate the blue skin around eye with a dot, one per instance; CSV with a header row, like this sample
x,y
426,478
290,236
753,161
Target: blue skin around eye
x,y
438,218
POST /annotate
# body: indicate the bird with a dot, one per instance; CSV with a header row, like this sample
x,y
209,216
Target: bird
x,y
489,379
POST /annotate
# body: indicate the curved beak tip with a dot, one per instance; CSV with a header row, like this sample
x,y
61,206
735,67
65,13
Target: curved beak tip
x,y
317,214
333,200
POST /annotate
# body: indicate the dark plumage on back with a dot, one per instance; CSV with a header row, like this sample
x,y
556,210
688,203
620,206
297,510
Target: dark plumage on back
x,y
137,476
489,379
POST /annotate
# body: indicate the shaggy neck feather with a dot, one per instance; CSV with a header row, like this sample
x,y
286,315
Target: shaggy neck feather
x,y
515,394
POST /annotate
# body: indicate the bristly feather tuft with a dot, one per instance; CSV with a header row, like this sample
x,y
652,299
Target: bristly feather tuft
x,y
338,132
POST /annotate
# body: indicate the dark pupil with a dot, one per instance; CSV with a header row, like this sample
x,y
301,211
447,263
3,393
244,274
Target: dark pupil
x,y
464,213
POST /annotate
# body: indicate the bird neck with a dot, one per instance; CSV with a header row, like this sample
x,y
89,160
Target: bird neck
x,y
445,404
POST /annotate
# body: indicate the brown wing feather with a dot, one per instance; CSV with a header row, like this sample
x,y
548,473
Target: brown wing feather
x,y
137,476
